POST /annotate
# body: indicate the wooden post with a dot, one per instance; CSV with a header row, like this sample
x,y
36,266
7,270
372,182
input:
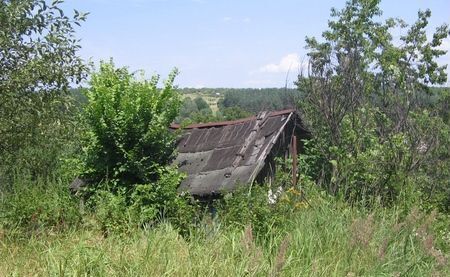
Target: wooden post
x,y
294,160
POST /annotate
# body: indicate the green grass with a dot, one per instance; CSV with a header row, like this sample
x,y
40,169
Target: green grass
x,y
330,239
43,232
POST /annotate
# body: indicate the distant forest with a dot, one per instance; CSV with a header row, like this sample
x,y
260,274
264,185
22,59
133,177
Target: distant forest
x,y
216,104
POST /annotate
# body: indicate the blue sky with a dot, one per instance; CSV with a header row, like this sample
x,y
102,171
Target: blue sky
x,y
219,43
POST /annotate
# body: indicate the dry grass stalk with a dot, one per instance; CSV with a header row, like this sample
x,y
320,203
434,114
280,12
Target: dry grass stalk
x,y
362,231
413,216
383,248
280,260
428,245
314,267
256,258
423,229
247,239
427,239
398,227
251,250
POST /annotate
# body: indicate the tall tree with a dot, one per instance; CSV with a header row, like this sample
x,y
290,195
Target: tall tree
x,y
364,100
39,61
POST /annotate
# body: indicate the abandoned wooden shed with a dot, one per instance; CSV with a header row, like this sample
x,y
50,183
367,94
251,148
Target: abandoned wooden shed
x,y
218,156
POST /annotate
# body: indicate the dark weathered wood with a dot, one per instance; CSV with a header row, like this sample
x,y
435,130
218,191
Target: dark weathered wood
x,y
219,156
294,160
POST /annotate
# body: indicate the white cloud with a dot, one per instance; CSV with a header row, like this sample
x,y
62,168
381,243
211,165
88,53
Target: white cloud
x,y
246,20
199,85
227,18
287,63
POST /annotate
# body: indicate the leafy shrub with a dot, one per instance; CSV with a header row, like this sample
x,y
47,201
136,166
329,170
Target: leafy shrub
x,y
256,100
121,211
161,201
34,205
111,212
128,147
128,136
244,207
253,207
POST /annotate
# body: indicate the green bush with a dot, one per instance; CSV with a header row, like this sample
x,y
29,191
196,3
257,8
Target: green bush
x,y
112,213
128,138
244,207
121,211
252,207
35,205
128,146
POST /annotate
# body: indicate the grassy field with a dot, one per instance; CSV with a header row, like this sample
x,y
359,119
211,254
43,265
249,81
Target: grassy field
x,y
328,240
211,99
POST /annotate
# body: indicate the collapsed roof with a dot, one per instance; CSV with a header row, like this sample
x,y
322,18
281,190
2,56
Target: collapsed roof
x,y
218,156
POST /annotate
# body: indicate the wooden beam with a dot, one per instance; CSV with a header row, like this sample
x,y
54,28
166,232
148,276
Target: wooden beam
x,y
294,160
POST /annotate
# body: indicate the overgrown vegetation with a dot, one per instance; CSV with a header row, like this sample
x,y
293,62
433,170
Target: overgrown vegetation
x,y
38,60
127,150
367,103
324,237
373,194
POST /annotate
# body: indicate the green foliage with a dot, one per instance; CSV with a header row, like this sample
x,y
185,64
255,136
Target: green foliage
x,y
256,100
31,206
128,146
233,103
233,113
188,108
196,111
38,60
245,207
202,106
128,136
122,211
251,207
328,238
112,213
377,131
161,200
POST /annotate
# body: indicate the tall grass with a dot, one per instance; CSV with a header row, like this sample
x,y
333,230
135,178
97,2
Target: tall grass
x,y
326,238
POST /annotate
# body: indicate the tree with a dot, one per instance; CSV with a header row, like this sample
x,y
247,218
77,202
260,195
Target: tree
x,y
233,113
202,105
196,111
188,108
364,100
38,60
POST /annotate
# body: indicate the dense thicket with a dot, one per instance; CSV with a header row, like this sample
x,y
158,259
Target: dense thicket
x,y
38,60
368,102
128,147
